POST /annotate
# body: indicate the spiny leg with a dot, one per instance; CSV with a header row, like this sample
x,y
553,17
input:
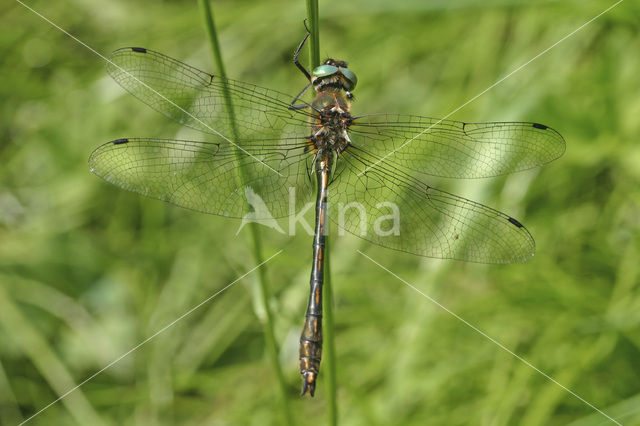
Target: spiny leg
x,y
296,61
297,52
297,98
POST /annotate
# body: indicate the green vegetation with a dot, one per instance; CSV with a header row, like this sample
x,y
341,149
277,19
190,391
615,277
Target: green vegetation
x,y
256,239
88,271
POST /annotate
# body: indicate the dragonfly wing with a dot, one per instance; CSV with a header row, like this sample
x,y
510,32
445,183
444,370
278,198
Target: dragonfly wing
x,y
456,149
395,210
214,178
197,99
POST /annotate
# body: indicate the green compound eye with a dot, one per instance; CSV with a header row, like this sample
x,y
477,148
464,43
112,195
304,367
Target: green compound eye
x,y
324,70
350,76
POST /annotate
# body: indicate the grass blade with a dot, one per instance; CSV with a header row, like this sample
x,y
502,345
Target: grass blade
x,y
272,346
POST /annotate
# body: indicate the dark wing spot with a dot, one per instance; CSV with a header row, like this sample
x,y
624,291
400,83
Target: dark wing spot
x,y
120,141
464,128
540,126
515,222
139,49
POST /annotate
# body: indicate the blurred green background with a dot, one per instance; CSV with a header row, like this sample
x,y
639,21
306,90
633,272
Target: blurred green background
x,y
88,271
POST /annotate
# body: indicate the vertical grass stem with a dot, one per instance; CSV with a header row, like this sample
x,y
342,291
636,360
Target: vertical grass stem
x,y
268,324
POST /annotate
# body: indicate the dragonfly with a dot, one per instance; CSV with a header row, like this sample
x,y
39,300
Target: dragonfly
x,y
272,144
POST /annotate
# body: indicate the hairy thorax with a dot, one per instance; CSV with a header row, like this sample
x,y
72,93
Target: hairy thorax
x,y
331,122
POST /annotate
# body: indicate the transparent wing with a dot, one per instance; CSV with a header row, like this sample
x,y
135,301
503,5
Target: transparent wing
x,y
196,98
391,208
456,149
212,178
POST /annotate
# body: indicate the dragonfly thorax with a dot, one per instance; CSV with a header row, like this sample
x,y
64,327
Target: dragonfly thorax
x,y
332,121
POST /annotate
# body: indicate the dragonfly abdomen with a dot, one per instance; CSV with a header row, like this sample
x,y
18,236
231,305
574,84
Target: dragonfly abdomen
x,y
311,338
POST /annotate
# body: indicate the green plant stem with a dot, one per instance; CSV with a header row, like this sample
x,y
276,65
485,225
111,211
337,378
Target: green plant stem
x,y
329,366
314,40
268,324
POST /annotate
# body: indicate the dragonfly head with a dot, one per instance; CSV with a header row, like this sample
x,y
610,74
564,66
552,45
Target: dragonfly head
x,y
334,74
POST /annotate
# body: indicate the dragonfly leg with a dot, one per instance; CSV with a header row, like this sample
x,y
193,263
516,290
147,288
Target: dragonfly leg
x,y
297,52
299,106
